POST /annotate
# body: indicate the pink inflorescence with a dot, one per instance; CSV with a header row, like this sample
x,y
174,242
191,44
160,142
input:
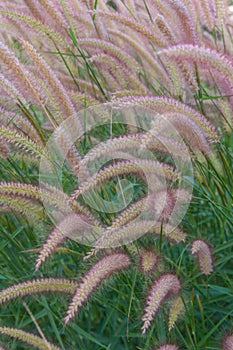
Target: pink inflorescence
x,y
166,284
202,250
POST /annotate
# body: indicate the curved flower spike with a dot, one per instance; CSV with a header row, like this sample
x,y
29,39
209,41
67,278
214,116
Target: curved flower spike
x,y
202,56
202,250
175,311
37,286
99,272
164,105
167,284
29,338
71,224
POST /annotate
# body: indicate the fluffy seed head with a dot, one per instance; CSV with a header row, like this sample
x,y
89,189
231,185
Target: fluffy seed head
x,y
148,261
169,197
72,224
99,272
29,338
37,286
202,250
167,284
177,307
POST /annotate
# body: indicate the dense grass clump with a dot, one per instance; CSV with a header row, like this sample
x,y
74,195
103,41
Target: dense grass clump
x,y
116,158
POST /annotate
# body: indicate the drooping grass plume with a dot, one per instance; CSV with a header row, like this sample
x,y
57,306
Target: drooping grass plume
x,y
129,213
129,66
176,309
27,199
135,229
24,207
50,196
202,56
222,11
37,26
192,133
207,13
166,285
50,77
99,272
189,34
165,145
26,191
67,148
44,194
148,59
113,75
60,200
23,76
22,143
21,124
38,286
33,7
138,28
163,105
112,145
137,166
69,14
170,60
168,201
165,28
111,49
31,339
72,224
49,7
202,250
10,89
116,75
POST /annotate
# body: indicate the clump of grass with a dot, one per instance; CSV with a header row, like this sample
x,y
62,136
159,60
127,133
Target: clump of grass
x,y
173,60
